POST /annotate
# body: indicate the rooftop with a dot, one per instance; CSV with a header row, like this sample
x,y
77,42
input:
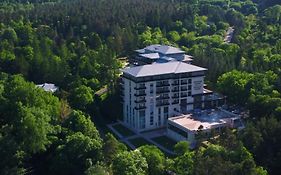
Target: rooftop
x,y
173,67
163,49
192,124
150,55
48,87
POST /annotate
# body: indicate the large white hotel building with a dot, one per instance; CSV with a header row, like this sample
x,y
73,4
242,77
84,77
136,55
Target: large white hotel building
x,y
160,89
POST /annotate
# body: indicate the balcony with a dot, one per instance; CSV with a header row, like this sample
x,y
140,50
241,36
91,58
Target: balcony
x,y
162,97
140,107
140,87
183,82
175,90
175,102
175,96
162,104
162,84
183,95
140,94
183,88
175,83
140,101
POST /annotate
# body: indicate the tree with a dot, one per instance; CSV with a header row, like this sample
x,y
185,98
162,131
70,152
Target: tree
x,y
129,163
79,122
97,169
29,119
233,84
71,157
111,148
184,164
181,147
154,158
81,97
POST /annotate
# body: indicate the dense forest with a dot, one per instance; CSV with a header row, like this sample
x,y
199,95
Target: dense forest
x,y
76,44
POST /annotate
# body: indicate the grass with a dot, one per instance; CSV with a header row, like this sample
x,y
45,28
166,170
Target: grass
x,y
165,142
139,141
125,132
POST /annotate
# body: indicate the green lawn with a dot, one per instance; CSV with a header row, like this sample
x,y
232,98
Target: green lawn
x,y
139,141
165,142
125,132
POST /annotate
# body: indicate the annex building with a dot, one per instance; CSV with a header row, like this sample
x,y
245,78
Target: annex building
x,y
160,87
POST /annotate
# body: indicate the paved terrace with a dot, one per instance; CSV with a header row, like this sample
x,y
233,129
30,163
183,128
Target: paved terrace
x,y
148,136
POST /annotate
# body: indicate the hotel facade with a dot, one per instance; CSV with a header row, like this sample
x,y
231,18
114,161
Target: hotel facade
x,y
153,93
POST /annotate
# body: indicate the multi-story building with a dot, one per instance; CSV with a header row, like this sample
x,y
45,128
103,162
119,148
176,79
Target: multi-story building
x,y
152,93
159,54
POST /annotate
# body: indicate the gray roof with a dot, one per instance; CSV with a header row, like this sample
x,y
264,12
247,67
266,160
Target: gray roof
x,y
173,67
48,87
151,55
163,49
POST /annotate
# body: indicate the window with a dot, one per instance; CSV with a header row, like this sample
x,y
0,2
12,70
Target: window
x,y
166,109
151,88
142,119
151,108
189,81
151,120
159,116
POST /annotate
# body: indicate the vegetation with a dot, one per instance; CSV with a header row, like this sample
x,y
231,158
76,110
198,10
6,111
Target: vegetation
x,y
75,44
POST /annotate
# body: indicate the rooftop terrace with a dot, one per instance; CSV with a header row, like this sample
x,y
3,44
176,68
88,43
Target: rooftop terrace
x,y
205,119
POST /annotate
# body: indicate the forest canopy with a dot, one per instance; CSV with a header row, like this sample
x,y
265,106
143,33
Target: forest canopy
x,y
76,44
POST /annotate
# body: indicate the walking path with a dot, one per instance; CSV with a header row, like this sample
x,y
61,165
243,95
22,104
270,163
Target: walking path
x,y
148,136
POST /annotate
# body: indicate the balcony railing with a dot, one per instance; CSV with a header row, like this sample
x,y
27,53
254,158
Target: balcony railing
x,y
162,97
140,87
162,104
140,94
183,95
162,84
183,88
175,102
140,101
175,83
175,90
140,107
162,91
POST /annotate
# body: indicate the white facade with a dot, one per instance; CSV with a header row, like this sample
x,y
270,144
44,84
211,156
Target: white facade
x,y
153,93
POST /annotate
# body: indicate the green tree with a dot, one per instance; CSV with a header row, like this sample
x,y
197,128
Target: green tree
x,y
154,158
81,97
71,157
111,148
181,147
129,163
